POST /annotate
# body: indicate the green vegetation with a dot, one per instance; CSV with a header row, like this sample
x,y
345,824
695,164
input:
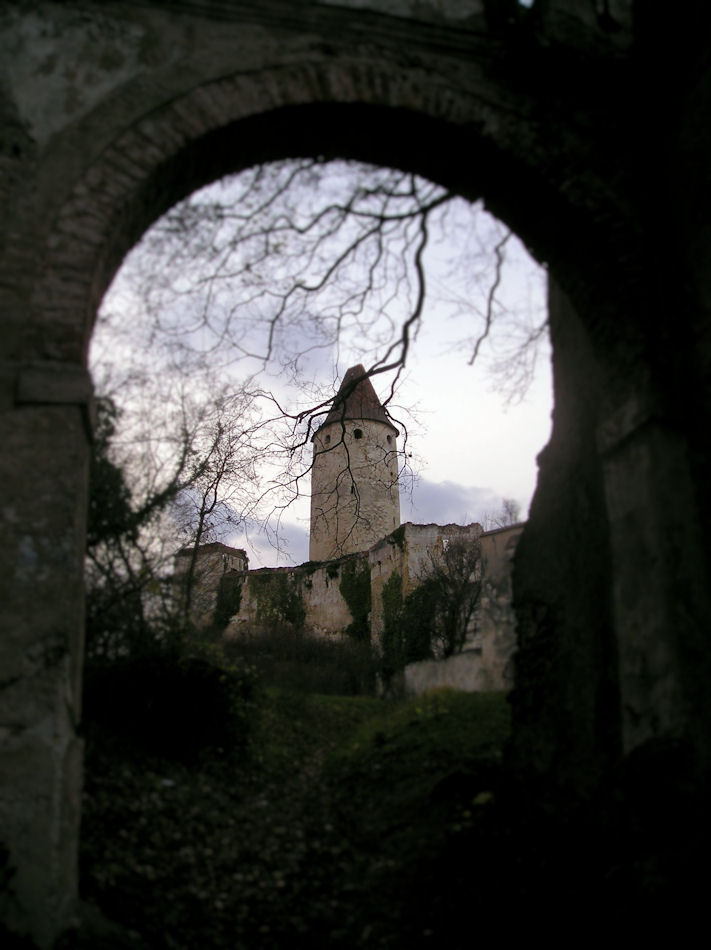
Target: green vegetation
x,y
392,646
355,590
434,619
184,706
298,662
398,537
311,829
279,600
410,750
229,598
417,621
343,823
408,624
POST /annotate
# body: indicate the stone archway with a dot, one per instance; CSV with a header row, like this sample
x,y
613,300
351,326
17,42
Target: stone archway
x,y
170,99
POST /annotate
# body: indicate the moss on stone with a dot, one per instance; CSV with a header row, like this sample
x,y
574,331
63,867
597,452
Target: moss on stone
x,y
355,590
393,654
279,598
398,537
417,621
229,599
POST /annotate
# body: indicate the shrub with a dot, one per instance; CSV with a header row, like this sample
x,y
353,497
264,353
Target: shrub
x,y
172,705
392,659
435,618
279,599
295,661
229,599
418,621
355,590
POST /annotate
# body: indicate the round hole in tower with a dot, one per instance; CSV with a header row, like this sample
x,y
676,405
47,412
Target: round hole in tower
x,y
389,438
358,433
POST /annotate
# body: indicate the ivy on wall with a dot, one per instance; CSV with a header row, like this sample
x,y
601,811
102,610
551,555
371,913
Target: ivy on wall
x,y
279,599
355,590
398,537
229,599
407,624
392,658
417,621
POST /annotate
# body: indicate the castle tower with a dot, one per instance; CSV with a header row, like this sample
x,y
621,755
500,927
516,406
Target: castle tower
x,y
355,499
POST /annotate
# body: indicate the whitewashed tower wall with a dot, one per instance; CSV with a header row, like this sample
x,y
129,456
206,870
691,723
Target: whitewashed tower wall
x,y
355,499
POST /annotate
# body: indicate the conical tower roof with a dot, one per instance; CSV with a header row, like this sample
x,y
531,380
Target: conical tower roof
x,y
357,401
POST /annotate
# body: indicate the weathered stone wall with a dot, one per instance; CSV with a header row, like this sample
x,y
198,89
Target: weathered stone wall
x,y
41,643
464,671
496,620
308,598
386,558
486,662
408,552
566,703
212,563
323,601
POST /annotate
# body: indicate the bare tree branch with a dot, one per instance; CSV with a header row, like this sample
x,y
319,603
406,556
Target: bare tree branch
x,y
276,272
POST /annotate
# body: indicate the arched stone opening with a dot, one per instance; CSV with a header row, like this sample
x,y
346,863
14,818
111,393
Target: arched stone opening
x,y
607,595
158,161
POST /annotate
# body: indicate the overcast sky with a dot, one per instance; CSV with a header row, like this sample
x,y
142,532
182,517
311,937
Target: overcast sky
x,y
474,441
473,431
473,448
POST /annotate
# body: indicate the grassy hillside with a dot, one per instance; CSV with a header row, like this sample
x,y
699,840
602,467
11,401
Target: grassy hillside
x,y
322,833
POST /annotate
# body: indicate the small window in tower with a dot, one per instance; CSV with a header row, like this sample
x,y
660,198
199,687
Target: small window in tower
x,y
327,439
358,433
390,438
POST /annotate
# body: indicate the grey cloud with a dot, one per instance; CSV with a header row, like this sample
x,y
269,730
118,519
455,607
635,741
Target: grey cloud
x,y
446,503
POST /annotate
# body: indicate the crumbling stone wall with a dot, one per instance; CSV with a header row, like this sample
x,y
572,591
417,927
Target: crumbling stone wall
x,y
307,599
344,597
486,660
496,619
212,563
408,552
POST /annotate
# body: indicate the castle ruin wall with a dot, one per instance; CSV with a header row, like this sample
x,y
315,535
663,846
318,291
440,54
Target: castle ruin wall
x,y
309,600
212,563
304,599
408,551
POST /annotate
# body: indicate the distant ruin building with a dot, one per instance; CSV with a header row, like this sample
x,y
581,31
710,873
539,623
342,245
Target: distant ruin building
x,y
203,570
359,552
355,498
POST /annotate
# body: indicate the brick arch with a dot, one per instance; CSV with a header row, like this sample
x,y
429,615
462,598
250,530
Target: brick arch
x,y
104,179
369,112
372,113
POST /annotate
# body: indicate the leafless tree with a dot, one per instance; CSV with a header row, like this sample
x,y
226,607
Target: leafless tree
x,y
221,487
203,482
265,280
453,578
508,514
